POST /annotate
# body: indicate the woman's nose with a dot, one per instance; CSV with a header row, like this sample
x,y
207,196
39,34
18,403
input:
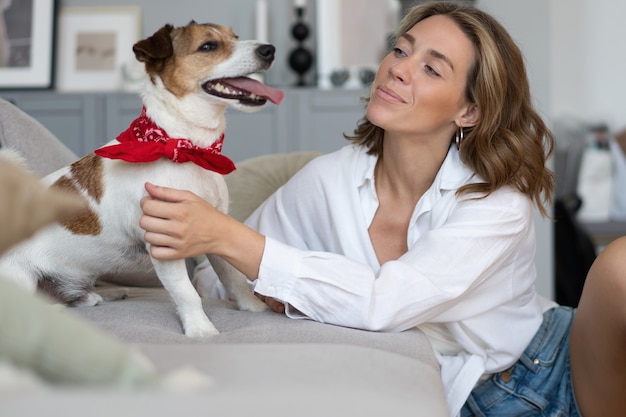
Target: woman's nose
x,y
401,71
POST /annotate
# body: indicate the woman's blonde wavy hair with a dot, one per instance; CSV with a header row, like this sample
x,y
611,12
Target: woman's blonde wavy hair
x,y
510,144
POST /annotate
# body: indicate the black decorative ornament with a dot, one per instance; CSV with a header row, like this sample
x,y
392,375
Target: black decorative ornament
x,y
339,77
367,76
300,59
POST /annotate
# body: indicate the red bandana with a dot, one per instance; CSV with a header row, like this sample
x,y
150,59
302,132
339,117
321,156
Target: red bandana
x,y
144,141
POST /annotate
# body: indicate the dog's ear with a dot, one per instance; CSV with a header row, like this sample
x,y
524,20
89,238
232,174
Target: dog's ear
x,y
155,49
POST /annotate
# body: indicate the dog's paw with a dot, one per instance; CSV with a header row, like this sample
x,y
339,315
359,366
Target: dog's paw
x,y
200,331
251,303
114,293
89,299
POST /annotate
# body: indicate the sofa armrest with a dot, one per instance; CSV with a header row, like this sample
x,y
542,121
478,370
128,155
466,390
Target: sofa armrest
x,y
43,151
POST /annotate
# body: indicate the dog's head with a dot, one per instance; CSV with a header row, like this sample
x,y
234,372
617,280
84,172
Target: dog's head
x,y
208,59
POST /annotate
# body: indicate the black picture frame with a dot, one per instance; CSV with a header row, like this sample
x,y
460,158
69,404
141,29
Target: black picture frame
x,y
27,44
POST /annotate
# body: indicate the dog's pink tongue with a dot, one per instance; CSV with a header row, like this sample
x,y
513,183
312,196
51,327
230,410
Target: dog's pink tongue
x,y
272,94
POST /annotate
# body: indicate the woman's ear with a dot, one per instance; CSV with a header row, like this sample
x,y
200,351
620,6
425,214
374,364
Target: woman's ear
x,y
471,117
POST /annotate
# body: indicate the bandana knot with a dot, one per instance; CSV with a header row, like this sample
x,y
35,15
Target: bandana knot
x,y
144,141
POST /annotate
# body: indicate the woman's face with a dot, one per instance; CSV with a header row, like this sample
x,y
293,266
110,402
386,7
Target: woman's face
x,y
420,86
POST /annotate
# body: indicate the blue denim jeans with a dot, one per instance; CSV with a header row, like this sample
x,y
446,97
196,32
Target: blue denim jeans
x,y
539,383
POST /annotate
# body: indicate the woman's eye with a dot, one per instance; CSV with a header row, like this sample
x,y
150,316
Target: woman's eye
x,y
398,52
431,71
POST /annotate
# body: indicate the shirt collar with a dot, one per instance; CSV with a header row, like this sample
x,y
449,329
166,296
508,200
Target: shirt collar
x,y
453,172
451,176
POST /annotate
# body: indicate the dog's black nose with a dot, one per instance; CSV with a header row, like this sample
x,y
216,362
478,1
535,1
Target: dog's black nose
x,y
266,52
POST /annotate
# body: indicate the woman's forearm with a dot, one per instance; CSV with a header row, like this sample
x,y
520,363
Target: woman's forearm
x,y
240,246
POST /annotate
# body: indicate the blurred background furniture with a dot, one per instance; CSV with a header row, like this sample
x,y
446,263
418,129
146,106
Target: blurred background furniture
x,y
578,239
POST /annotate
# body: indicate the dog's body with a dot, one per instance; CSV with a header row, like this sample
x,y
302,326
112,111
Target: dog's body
x,y
183,99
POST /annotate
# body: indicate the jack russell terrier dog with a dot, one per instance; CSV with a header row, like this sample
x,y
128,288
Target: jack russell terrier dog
x,y
194,73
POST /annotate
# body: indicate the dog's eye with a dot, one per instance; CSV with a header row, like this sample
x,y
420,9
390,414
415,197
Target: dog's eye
x,y
209,46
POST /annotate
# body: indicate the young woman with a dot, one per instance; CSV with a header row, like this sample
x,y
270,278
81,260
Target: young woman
x,y
425,220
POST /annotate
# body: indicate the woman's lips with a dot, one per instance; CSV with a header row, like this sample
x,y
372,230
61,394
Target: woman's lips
x,y
388,94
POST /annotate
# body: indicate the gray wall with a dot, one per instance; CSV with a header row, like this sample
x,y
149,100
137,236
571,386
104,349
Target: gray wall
x,y
238,14
534,41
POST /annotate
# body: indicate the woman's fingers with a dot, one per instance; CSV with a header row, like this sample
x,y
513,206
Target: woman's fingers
x,y
178,223
275,305
167,194
161,231
163,209
164,252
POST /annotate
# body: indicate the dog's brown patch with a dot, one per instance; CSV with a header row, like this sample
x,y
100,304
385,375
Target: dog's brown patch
x,y
192,62
183,56
87,172
85,223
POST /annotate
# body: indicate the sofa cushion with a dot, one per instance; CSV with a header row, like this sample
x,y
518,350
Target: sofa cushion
x,y
265,363
304,380
255,179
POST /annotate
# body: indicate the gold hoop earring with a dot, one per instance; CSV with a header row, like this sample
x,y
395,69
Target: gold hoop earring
x,y
459,138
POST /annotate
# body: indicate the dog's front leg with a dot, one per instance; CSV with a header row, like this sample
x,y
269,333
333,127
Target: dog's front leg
x,y
236,285
174,277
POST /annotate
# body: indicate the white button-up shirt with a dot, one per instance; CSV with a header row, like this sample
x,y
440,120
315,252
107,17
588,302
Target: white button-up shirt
x,y
467,280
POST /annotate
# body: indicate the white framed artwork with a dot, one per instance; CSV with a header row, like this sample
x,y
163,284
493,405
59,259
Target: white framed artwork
x,y
27,43
94,44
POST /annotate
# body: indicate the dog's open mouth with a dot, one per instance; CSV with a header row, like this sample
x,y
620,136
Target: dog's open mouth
x,y
246,90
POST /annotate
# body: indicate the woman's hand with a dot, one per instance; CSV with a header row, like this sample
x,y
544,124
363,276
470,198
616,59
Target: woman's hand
x,y
176,222
179,224
272,303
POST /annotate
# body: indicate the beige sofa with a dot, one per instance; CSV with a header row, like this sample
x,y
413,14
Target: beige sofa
x,y
130,358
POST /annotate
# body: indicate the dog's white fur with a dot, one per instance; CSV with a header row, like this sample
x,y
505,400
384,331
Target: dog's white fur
x,y
69,263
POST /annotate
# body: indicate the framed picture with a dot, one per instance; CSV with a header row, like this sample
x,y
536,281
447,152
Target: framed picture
x,y
343,28
94,44
27,29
